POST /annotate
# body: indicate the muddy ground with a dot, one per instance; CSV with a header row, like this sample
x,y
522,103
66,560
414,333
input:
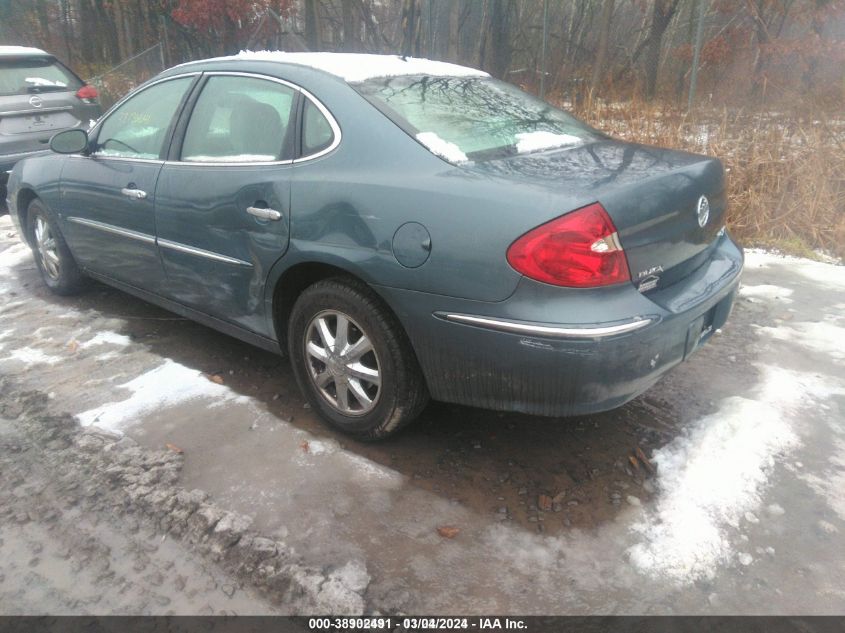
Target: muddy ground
x,y
744,514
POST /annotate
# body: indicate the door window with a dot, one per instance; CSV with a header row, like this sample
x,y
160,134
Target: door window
x,y
139,127
317,133
239,120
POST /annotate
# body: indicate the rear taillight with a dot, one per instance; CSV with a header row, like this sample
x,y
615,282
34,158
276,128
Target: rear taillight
x,y
580,249
87,93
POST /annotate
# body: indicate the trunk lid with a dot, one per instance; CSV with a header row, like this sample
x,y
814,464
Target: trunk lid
x,y
651,194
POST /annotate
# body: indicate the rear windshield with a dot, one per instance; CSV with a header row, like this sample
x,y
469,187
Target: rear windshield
x,y
34,75
474,118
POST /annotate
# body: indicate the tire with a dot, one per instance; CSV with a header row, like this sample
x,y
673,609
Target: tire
x,y
55,263
396,391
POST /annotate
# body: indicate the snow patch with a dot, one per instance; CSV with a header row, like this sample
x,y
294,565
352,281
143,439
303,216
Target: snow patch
x,y
9,259
30,356
713,477
534,141
818,272
107,338
767,291
234,158
441,147
831,485
820,336
167,385
361,66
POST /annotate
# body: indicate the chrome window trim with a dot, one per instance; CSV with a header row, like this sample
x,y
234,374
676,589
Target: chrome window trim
x,y
332,123
116,230
192,163
105,117
546,331
199,252
118,158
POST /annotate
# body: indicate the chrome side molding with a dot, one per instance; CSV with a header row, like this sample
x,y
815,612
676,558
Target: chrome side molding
x,y
199,252
116,230
546,331
151,239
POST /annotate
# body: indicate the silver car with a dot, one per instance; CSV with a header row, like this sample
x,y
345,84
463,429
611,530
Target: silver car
x,y
38,97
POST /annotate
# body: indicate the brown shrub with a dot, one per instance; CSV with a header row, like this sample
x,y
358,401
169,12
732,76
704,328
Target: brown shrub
x,y
785,171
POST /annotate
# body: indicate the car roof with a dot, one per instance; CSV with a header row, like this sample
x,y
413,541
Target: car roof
x,y
22,51
353,67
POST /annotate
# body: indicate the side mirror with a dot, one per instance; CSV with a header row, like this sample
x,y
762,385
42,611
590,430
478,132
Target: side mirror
x,y
69,142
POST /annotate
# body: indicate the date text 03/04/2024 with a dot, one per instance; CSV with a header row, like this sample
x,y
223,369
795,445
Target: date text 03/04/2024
x,y
416,623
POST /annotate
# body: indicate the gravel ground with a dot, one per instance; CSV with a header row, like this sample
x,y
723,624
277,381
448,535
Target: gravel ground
x,y
93,523
719,491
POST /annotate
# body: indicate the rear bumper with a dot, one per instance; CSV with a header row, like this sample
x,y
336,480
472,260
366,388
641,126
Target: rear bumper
x,y
604,348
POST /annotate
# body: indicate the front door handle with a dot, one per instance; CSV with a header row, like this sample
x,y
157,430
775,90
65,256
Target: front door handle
x,y
264,214
135,194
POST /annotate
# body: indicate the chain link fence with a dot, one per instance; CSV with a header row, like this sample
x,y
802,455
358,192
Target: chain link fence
x,y
116,82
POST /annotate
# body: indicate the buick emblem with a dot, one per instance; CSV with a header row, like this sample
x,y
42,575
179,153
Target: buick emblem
x,y
36,101
703,210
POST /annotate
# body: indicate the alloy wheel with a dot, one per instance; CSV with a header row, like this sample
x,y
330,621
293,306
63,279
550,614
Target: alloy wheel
x,y
45,242
342,363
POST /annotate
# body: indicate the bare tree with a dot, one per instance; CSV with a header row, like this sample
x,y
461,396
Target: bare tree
x,y
661,16
601,51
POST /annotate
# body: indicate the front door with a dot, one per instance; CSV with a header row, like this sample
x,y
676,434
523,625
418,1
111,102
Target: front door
x,y
108,197
223,205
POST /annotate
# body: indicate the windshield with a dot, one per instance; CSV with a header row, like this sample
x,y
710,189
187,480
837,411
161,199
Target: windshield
x,y
473,118
32,75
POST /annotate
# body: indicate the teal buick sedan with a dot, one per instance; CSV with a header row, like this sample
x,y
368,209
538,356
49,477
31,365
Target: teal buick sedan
x,y
401,228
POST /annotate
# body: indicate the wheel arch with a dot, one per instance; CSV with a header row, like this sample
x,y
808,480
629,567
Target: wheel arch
x,y
288,285
24,197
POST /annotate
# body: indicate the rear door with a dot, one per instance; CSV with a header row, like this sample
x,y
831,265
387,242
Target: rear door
x,y
108,197
223,198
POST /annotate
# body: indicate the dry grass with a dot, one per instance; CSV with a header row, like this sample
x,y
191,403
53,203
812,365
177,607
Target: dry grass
x,y
786,171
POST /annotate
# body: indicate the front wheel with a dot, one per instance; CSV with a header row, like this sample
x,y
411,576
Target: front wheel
x,y
353,361
55,263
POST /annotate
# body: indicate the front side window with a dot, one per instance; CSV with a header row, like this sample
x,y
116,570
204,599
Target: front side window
x,y
138,128
239,120
473,118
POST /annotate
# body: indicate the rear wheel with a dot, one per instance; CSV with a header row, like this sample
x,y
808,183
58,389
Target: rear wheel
x,y
55,263
353,361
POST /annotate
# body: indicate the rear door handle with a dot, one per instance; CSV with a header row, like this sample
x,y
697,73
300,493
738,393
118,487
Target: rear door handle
x,y
135,194
264,214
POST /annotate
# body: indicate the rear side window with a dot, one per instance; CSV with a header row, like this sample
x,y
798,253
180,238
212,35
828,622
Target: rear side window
x,y
317,133
138,127
239,120
34,75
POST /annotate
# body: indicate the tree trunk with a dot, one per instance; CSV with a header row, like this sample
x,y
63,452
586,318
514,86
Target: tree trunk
x,y
454,31
350,27
483,33
601,52
661,16
502,19
312,24
411,28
